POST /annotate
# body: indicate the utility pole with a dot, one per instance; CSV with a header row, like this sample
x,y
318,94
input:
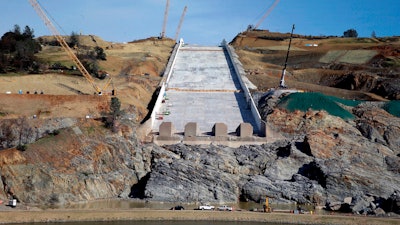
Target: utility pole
x,y
282,82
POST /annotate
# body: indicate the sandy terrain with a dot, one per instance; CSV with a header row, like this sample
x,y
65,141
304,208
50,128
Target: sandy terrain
x,y
144,214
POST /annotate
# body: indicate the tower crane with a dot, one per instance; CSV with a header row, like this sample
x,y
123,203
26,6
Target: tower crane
x,y
165,20
65,46
180,23
251,27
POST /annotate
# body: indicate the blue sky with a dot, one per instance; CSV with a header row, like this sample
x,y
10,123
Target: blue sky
x,y
207,22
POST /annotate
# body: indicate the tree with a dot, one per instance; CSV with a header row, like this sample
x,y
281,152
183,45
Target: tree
x,y
8,42
350,33
373,34
25,131
92,66
115,108
28,33
17,50
114,115
17,30
100,54
73,40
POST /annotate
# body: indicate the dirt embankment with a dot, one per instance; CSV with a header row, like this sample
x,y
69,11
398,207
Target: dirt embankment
x,y
135,68
353,68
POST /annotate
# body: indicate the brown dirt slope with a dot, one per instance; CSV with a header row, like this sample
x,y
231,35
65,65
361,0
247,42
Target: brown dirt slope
x,y
353,68
135,68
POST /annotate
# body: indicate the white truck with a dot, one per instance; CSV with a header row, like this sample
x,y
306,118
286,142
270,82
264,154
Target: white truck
x,y
206,207
225,208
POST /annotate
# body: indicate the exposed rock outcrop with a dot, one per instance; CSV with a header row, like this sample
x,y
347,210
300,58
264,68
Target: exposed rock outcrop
x,y
23,130
324,160
72,167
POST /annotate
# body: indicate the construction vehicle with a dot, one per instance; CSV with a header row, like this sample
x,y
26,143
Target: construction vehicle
x,y
180,23
165,21
39,10
266,206
269,10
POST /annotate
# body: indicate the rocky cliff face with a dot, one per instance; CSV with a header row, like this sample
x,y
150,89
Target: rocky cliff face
x,y
82,162
324,160
343,165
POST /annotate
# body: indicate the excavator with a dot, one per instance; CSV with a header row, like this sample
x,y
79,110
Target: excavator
x,y
39,10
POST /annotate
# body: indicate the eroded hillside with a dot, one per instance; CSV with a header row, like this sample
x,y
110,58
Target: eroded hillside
x,y
351,68
135,68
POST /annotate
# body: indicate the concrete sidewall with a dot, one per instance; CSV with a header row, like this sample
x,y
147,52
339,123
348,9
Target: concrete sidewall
x,y
167,76
249,99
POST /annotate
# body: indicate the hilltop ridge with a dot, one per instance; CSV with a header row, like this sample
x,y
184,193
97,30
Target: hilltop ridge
x,y
352,68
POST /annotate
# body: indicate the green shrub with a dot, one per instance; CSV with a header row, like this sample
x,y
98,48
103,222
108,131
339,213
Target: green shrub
x,y
22,148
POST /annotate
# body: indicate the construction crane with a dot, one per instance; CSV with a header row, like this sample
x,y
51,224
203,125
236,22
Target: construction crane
x,y
180,23
282,82
251,27
65,46
165,20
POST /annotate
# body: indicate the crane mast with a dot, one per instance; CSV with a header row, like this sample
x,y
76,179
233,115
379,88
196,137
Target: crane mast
x,y
64,44
180,23
165,20
282,82
265,15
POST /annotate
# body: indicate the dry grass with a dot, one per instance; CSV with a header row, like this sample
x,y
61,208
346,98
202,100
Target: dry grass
x,y
126,63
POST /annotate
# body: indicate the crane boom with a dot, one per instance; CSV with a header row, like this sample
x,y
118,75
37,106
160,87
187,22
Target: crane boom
x,y
165,20
180,23
64,44
282,82
266,14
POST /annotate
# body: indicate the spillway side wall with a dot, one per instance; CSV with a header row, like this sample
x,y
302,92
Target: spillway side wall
x,y
167,76
240,72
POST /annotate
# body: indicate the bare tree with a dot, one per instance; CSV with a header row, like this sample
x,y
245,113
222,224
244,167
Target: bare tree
x,y
25,132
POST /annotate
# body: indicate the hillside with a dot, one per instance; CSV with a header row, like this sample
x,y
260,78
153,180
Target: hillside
x,y
335,145
135,68
351,68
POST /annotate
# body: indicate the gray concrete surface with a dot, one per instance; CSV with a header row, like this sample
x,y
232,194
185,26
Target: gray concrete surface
x,y
203,68
204,88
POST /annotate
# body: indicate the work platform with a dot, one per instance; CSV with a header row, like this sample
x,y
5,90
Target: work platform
x,y
202,86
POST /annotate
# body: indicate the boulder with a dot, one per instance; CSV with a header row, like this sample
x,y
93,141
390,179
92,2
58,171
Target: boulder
x,y
379,212
361,205
334,206
348,200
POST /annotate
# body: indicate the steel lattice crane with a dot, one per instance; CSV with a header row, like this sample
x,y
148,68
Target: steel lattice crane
x,y
165,20
251,27
180,23
65,46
